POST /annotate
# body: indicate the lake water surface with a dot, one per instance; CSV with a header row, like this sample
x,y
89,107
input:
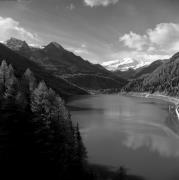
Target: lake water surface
x,y
128,131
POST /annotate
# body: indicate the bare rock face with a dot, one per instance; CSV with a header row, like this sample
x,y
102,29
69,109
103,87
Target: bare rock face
x,y
17,45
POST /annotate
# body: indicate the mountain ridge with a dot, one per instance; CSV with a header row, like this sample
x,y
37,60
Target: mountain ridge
x,y
63,63
22,63
124,64
164,79
136,73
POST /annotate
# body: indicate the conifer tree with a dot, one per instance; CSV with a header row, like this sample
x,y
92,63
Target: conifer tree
x,y
39,100
30,79
3,75
52,143
12,88
81,150
27,85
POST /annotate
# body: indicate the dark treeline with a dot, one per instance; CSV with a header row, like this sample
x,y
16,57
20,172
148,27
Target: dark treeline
x,y
37,137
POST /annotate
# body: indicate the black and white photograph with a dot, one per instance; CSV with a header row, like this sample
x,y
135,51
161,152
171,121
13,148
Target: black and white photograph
x,y
89,89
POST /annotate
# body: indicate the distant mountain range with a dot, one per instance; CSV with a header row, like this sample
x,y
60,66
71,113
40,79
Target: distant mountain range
x,y
57,59
71,75
62,65
139,72
125,64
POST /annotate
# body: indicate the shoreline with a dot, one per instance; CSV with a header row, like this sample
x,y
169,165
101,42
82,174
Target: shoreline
x,y
159,96
169,99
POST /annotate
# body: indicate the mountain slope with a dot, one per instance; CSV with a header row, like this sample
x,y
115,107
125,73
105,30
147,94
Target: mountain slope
x,y
129,74
148,69
94,82
21,64
63,63
136,73
164,79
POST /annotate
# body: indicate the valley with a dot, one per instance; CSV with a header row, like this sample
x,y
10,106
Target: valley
x,y
64,64
89,89
133,111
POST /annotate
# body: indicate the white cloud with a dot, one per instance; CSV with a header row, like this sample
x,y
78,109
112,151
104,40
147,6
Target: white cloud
x,y
164,37
19,1
71,7
139,55
133,40
22,1
161,42
79,50
11,28
93,3
83,51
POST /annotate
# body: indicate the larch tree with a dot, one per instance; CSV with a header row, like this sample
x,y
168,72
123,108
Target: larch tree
x,y
3,76
39,99
30,78
12,84
80,148
28,83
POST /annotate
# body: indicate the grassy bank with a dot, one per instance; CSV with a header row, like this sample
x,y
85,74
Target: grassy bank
x,y
163,97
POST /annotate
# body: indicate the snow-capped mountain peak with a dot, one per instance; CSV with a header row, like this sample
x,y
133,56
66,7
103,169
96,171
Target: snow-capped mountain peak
x,y
125,64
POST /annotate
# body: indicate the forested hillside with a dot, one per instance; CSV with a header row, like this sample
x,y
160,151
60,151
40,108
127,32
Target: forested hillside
x,y
139,72
95,82
20,63
164,79
62,63
37,137
148,69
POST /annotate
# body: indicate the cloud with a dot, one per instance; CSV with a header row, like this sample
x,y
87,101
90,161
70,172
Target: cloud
x,y
161,42
93,3
139,55
83,51
154,142
133,40
16,0
71,7
21,5
11,28
19,1
164,37
79,50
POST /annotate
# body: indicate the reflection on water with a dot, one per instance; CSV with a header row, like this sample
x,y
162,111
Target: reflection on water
x,y
165,146
129,131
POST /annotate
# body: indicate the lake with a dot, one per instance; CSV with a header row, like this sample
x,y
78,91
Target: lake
x,y
129,131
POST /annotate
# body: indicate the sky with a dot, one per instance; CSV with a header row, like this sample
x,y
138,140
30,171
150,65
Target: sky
x,y
97,30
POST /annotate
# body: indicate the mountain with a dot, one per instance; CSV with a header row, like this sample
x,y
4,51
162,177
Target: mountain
x,y
17,45
125,64
21,63
62,63
136,73
133,74
148,69
164,79
128,74
94,82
